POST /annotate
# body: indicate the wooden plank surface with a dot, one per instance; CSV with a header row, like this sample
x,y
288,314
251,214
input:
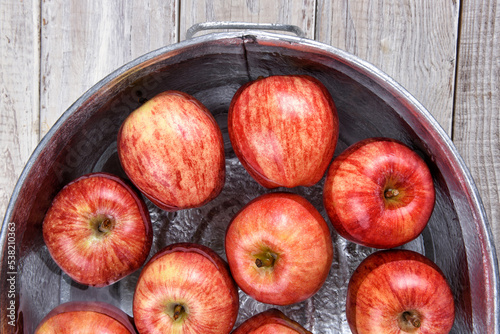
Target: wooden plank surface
x,y
83,41
444,52
297,12
19,90
476,130
414,42
52,51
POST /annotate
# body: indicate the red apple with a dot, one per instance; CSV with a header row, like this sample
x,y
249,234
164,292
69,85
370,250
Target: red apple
x,y
185,288
279,249
86,317
172,149
271,321
98,229
379,193
399,291
284,130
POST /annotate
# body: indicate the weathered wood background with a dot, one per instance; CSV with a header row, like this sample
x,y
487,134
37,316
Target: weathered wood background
x,y
444,52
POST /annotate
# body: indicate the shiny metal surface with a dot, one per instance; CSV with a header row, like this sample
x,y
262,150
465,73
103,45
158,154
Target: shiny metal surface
x,y
204,26
211,68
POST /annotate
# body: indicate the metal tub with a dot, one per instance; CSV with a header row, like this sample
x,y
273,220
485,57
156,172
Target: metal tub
x,y
212,67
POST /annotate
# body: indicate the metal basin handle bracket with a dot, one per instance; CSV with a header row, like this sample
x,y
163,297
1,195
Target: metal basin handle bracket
x,y
191,32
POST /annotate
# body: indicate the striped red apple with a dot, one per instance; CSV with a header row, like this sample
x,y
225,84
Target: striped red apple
x,y
98,229
172,149
284,129
399,291
270,321
279,249
86,317
379,193
185,288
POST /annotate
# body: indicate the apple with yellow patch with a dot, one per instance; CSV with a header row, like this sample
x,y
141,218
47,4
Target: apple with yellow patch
x,y
172,149
279,248
272,321
86,317
185,288
98,229
399,291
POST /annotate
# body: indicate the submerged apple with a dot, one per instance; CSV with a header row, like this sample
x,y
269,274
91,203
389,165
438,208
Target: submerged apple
x,y
399,291
379,193
172,149
86,317
272,321
186,288
98,229
279,249
284,130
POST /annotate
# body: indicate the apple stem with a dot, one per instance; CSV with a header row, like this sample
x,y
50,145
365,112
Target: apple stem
x,y
412,318
178,311
265,261
105,226
389,193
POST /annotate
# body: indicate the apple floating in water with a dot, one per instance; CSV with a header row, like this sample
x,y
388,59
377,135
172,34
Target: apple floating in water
x,y
279,249
272,321
185,288
172,149
98,229
379,193
284,130
399,291
86,317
